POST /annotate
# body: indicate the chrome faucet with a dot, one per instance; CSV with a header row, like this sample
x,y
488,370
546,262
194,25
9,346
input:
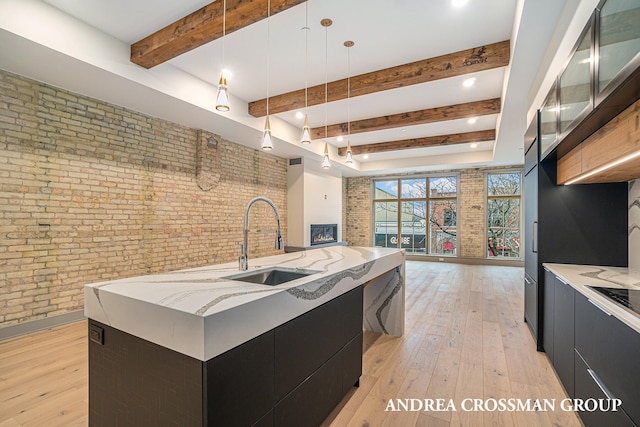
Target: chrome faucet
x,y
244,248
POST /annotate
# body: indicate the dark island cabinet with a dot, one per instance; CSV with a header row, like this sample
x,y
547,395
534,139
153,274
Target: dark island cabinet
x,y
607,355
293,375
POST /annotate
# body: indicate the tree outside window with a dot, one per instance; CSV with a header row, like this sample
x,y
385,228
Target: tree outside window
x,y
422,209
503,214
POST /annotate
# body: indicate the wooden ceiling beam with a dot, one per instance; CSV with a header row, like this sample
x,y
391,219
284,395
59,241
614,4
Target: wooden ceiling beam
x,y
429,141
451,65
201,27
431,115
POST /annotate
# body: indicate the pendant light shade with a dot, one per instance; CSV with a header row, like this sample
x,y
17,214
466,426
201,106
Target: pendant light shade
x,y
306,133
349,159
266,136
325,159
222,99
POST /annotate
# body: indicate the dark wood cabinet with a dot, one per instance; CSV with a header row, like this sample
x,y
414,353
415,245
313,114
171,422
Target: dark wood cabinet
x,y
558,328
241,375
610,351
292,375
563,333
568,224
303,344
587,388
548,318
532,293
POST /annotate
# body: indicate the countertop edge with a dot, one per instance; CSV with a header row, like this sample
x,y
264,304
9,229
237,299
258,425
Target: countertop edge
x,y
208,334
612,308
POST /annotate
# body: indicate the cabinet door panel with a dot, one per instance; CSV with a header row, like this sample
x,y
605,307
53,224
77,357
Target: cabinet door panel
x,y
612,350
563,334
306,342
531,224
587,388
311,402
618,42
548,317
243,374
531,308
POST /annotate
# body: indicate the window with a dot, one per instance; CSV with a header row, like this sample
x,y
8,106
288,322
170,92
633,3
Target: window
x,y
422,209
503,214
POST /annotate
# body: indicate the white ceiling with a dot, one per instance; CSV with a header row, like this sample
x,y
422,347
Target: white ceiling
x,y
85,43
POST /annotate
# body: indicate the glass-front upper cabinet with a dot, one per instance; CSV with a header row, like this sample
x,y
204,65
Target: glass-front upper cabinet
x,y
549,122
575,82
618,39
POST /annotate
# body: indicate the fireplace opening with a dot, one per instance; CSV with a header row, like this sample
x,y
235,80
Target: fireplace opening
x,y
324,233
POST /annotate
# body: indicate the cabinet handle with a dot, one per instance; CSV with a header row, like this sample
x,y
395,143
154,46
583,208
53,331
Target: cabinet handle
x,y
526,280
599,306
534,249
600,385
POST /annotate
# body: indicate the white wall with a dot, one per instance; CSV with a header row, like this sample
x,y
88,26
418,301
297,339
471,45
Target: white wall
x,y
634,225
314,197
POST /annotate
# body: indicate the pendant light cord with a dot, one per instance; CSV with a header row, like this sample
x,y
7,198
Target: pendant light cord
x,y
224,30
326,78
306,56
348,93
268,49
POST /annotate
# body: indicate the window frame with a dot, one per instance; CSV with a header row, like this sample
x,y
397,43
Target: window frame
x,y
427,199
486,216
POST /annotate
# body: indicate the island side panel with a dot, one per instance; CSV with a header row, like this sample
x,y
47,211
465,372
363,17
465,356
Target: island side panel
x,y
384,303
134,382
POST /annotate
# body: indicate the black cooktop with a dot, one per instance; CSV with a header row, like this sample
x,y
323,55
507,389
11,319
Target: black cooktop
x,y
628,298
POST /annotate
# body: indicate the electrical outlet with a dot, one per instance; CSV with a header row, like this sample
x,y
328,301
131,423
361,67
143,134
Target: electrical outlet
x,y
440,259
96,334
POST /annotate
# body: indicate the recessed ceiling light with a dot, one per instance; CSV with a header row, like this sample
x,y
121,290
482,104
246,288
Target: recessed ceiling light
x,y
469,82
366,156
458,3
472,120
299,115
473,145
340,138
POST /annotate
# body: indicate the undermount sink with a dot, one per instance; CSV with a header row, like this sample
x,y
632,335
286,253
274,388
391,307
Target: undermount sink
x,y
272,276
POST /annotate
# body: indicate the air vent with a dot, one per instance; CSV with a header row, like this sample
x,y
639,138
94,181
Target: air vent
x,y
297,161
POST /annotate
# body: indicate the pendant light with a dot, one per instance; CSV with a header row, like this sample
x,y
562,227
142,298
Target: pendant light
x,y
267,145
306,133
325,158
222,100
349,44
326,23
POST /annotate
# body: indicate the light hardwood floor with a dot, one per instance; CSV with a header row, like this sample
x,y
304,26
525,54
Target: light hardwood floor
x,y
464,338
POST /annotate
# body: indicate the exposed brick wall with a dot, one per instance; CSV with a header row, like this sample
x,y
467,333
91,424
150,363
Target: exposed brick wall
x,y
358,211
91,191
471,215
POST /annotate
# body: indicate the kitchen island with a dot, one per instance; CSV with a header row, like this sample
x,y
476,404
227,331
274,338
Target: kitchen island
x,y
203,347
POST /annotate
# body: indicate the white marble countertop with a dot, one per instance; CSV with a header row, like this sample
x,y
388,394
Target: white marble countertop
x,y
582,276
199,313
